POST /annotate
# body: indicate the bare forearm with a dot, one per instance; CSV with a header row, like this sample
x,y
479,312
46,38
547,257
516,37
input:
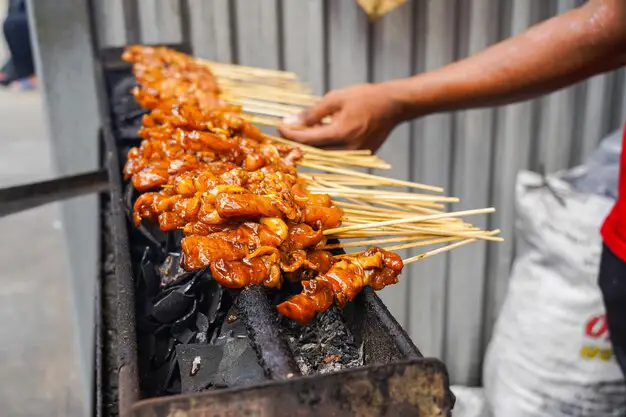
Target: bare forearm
x,y
552,55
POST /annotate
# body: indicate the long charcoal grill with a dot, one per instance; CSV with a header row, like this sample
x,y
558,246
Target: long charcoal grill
x,y
387,375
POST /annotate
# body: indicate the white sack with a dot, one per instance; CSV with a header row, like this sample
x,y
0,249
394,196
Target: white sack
x,y
550,354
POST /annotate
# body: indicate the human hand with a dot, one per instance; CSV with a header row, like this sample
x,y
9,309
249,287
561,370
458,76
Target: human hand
x,y
361,117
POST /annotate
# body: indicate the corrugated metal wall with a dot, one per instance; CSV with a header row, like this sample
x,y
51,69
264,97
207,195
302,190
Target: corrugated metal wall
x,y
447,303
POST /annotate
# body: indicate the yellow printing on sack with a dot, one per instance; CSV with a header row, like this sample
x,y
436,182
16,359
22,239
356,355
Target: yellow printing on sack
x,y
593,352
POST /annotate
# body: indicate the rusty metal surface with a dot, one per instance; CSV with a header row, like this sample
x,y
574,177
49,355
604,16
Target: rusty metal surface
x,y
374,327
417,387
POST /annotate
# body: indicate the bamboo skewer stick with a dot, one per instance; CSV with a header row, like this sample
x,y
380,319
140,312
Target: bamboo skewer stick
x,y
388,195
265,105
363,161
302,146
408,207
369,242
262,120
420,243
341,157
262,93
349,151
425,232
479,234
372,209
245,81
414,204
437,251
366,207
364,175
347,180
339,190
363,235
414,219
350,219
244,68
263,111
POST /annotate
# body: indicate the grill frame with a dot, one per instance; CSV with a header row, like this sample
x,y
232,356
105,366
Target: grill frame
x,y
388,350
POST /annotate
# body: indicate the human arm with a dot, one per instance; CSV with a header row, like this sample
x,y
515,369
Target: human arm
x,y
556,53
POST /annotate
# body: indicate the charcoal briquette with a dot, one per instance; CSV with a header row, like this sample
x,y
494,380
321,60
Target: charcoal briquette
x,y
205,370
239,365
171,306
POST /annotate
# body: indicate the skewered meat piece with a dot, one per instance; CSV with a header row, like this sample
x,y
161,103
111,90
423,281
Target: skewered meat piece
x,y
300,265
229,245
236,195
234,244
345,279
301,236
195,150
245,206
167,75
239,274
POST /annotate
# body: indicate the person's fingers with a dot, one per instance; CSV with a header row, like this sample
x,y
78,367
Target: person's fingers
x,y
329,104
323,135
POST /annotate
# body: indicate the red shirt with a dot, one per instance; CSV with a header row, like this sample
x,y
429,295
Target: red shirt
x,y
614,228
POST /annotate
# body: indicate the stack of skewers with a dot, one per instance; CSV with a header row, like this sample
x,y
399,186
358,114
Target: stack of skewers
x,y
247,215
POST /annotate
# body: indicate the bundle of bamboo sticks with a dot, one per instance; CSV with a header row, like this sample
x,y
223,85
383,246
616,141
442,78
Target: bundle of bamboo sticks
x,y
266,96
378,210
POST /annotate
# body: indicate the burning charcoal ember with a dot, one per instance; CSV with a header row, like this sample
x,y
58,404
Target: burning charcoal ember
x,y
325,345
198,365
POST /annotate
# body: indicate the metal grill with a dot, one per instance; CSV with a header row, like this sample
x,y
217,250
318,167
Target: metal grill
x,y
394,380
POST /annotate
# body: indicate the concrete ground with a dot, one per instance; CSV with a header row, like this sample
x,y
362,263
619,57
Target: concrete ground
x,y
38,361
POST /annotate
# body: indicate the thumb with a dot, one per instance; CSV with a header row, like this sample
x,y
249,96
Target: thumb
x,y
314,115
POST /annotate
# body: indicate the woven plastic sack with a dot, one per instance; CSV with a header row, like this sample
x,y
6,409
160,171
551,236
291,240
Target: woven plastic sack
x,y
550,354
600,172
